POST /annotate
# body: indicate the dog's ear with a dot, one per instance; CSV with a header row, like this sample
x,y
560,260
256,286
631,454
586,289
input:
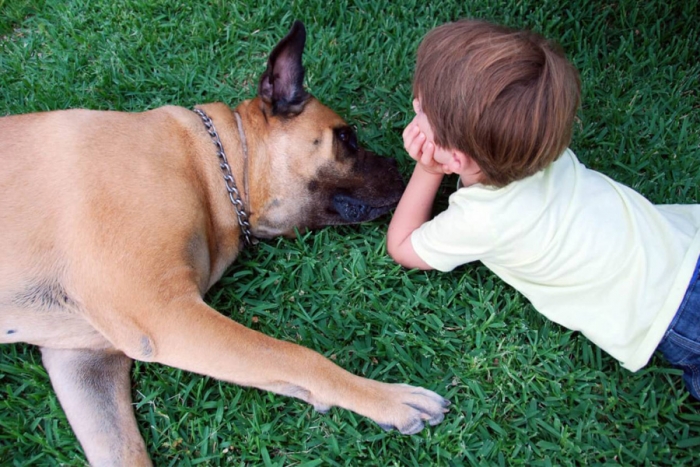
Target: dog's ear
x,y
282,84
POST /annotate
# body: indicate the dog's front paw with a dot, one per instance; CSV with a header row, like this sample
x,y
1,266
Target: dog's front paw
x,y
407,409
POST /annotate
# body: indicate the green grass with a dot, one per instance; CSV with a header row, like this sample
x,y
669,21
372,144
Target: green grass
x,y
524,390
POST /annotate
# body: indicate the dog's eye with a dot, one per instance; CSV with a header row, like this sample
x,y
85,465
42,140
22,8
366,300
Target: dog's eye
x,y
348,137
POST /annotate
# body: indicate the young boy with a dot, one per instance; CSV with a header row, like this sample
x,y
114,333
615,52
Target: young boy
x,y
496,106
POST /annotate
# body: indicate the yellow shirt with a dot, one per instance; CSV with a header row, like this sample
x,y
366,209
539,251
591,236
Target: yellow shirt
x,y
589,253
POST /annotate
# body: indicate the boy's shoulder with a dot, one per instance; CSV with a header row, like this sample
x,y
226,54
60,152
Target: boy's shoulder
x,y
522,202
561,171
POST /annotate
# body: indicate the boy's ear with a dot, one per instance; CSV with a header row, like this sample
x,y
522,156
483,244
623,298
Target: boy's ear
x,y
458,161
462,163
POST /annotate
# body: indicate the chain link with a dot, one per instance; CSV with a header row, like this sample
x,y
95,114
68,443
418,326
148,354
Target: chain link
x,y
231,188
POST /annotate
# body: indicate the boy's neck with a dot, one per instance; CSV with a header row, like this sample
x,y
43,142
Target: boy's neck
x,y
469,179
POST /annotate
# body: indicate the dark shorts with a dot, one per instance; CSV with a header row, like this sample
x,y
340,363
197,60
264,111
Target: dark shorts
x,y
681,343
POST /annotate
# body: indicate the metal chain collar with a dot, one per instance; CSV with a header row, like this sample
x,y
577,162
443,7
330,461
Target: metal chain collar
x,y
231,188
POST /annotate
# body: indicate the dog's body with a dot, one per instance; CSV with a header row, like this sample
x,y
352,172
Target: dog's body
x,y
114,225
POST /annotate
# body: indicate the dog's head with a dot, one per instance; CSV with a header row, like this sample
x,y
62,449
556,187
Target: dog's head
x,y
316,172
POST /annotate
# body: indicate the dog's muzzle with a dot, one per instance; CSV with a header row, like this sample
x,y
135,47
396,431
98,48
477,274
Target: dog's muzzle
x,y
354,210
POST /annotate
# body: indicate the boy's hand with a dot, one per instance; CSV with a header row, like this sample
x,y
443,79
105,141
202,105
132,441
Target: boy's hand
x,y
414,141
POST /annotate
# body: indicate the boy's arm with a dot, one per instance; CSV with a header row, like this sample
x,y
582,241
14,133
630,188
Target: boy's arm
x,y
417,201
413,210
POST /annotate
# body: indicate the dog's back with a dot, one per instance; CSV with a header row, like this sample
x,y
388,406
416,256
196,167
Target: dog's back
x,y
66,177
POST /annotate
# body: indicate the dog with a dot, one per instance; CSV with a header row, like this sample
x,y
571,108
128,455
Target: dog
x,y
114,226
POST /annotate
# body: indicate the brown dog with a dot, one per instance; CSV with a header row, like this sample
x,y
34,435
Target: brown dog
x,y
114,225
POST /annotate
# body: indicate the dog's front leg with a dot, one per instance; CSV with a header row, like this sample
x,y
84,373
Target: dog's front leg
x,y
94,389
196,338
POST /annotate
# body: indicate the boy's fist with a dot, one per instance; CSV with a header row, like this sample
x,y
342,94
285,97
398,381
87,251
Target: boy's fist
x,y
420,150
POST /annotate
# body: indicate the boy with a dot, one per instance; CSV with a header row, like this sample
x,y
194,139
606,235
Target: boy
x,y
496,106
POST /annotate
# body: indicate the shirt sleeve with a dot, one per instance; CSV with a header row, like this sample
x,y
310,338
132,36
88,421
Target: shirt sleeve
x,y
460,234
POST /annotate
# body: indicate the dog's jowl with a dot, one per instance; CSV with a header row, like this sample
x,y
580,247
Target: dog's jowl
x,y
114,225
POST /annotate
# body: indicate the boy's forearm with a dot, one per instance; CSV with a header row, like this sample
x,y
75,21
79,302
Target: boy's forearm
x,y
414,208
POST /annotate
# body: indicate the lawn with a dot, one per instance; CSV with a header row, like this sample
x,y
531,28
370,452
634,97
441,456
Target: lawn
x,y
524,390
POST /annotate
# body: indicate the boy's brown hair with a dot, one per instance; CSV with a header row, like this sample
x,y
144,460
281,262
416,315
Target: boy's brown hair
x,y
506,98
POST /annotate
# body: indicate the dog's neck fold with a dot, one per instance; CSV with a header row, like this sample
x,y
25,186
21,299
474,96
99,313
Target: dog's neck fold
x,y
230,127
244,148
